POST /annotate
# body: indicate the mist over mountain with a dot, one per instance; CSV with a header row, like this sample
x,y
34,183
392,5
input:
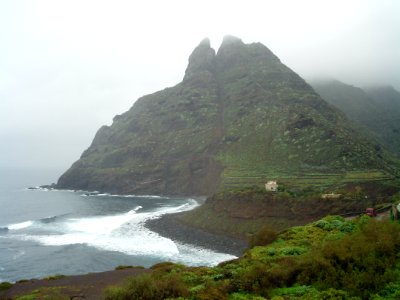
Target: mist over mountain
x,y
375,109
238,118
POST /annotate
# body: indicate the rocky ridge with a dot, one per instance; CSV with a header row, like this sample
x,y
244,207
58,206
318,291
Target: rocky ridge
x,y
238,118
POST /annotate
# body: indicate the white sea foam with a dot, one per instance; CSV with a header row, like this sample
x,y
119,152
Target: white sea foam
x,y
123,233
49,189
19,226
197,256
97,194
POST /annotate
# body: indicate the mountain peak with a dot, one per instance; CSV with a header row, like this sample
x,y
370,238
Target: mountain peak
x,y
205,42
230,39
238,114
201,60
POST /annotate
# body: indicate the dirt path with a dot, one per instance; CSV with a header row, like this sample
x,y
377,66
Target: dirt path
x,y
75,287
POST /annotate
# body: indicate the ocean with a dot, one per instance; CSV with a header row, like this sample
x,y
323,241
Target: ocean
x,y
46,232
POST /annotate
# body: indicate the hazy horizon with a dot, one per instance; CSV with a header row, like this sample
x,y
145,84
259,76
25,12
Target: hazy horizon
x,y
68,67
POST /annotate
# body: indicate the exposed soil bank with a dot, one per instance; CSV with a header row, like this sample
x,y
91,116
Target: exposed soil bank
x,y
89,286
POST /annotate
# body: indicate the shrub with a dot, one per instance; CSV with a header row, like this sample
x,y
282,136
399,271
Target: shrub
x,y
359,264
253,278
244,296
296,291
284,272
54,277
270,251
5,286
213,290
333,294
294,250
172,286
149,287
332,222
166,267
391,291
23,280
138,287
347,227
123,267
266,235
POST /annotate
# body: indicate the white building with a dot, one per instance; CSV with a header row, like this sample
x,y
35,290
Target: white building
x,y
331,196
271,186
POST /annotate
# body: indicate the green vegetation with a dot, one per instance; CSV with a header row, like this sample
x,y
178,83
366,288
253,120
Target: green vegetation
x,y
23,280
328,259
239,118
123,267
375,110
54,277
46,293
5,286
264,236
243,212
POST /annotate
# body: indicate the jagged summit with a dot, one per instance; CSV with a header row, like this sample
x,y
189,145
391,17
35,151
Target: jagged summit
x,y
232,52
201,59
238,118
229,40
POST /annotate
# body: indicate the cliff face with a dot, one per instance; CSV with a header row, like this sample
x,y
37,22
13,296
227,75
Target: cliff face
x,y
238,118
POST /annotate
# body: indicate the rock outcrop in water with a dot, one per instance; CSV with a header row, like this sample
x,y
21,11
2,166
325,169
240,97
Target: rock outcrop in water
x,y
238,118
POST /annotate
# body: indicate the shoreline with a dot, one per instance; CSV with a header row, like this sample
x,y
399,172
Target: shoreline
x,y
171,227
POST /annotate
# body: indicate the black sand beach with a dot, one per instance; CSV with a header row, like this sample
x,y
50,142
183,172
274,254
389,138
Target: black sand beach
x,y
169,226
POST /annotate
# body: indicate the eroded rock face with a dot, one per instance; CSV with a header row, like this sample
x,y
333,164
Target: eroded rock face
x,y
239,116
202,60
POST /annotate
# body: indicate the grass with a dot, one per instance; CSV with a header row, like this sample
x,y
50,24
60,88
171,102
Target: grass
x,y
54,277
332,258
241,177
46,293
123,267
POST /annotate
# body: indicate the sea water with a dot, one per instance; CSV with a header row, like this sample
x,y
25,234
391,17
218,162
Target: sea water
x,y
45,232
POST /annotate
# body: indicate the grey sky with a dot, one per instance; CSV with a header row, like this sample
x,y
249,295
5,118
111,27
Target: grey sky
x,y
67,67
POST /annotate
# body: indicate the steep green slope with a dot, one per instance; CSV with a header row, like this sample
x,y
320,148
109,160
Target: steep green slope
x,y
238,118
376,110
388,101
161,145
332,258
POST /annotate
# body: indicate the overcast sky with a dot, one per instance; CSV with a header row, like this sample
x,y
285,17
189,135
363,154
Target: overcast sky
x,y
67,67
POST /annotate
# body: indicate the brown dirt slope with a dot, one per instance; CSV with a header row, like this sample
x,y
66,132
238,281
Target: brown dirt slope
x,y
89,286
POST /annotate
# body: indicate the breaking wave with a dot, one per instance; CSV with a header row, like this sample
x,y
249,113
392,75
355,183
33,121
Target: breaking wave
x,y
19,226
123,232
30,223
97,194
